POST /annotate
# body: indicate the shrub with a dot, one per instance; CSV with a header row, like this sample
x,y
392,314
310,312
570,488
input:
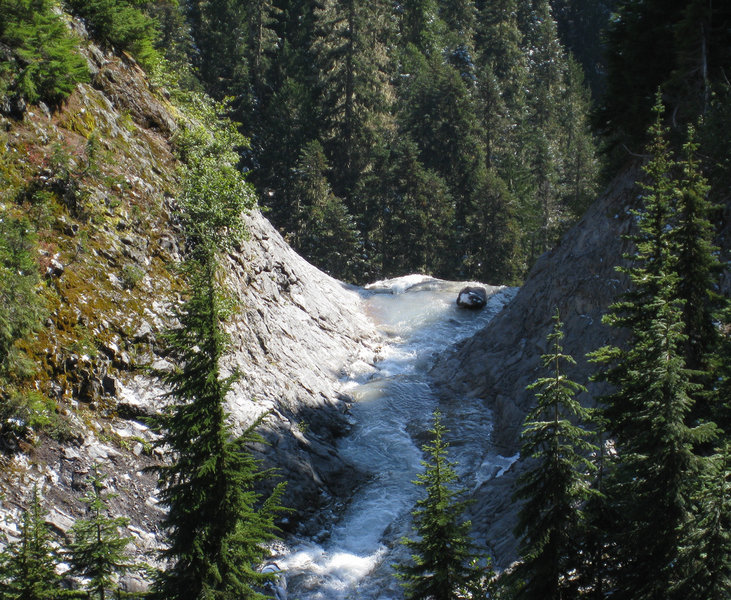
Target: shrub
x,y
38,59
21,305
120,23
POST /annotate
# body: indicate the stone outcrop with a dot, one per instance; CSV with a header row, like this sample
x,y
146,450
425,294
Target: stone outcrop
x,y
579,279
295,332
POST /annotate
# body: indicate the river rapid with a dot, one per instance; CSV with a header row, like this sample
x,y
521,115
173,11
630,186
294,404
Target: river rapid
x,y
391,416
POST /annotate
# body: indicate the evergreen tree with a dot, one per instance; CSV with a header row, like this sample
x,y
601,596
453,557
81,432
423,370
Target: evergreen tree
x,y
219,28
580,164
421,27
600,516
98,550
499,40
21,306
355,67
43,63
491,238
29,572
324,230
647,412
556,484
411,223
217,521
698,268
705,560
288,117
547,88
681,46
445,564
438,111
581,26
120,23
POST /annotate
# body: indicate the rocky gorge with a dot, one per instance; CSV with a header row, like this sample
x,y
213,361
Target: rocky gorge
x,y
297,334
110,243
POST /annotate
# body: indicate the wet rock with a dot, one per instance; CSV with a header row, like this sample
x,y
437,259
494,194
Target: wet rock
x,y
501,360
472,297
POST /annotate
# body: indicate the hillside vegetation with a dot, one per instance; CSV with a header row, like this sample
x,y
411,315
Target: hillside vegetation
x,y
457,139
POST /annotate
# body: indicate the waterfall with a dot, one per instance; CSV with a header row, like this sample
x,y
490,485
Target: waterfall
x,y
392,412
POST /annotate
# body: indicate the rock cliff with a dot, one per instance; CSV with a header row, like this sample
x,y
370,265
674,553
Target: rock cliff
x,y
578,278
103,171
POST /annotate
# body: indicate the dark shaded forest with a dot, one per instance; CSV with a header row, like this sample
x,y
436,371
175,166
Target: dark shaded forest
x,y
458,139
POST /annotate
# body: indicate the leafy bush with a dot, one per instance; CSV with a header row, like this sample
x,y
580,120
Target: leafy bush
x,y
23,414
38,59
21,306
131,276
120,23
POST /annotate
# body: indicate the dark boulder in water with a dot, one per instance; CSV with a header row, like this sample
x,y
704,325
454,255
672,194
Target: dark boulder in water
x,y
472,297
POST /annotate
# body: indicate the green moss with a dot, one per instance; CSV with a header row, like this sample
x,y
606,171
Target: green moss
x,y
81,122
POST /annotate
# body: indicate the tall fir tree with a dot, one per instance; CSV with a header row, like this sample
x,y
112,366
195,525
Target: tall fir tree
x,y
647,413
445,564
29,569
323,229
556,483
491,240
219,29
547,67
217,521
705,559
97,551
411,219
699,270
355,69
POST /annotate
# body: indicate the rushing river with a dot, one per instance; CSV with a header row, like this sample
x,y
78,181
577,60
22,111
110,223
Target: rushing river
x,y
392,411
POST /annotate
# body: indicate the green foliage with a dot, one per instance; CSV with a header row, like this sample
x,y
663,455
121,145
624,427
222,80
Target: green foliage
x,y
98,550
491,238
411,215
29,567
23,414
706,557
451,91
445,564
41,62
651,485
217,521
326,232
674,44
21,305
215,193
556,483
131,276
120,23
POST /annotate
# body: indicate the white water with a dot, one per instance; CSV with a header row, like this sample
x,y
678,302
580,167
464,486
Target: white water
x,y
391,413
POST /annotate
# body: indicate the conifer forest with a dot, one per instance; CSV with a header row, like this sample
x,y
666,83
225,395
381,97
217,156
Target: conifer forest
x,y
457,139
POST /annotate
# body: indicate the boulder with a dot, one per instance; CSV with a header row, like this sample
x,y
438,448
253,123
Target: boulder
x,y
472,297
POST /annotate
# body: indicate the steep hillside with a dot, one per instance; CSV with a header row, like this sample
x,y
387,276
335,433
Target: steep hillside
x,y
578,278
98,180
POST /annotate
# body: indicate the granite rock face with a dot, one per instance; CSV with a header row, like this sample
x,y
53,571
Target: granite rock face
x,y
295,333
579,279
